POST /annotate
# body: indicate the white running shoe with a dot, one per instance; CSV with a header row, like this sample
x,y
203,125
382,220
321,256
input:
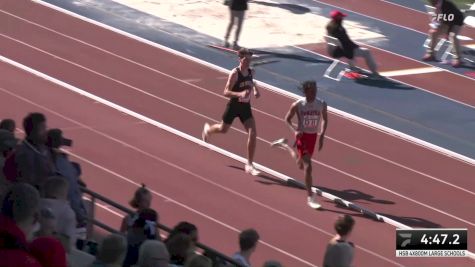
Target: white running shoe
x,y
204,134
279,142
249,168
312,203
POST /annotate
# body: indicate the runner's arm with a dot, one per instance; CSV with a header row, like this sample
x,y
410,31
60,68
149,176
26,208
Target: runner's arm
x,y
231,81
289,116
325,118
257,94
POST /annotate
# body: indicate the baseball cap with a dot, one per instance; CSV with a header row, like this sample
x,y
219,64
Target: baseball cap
x,y
56,139
337,14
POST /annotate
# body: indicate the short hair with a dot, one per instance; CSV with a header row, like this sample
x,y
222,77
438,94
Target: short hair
x,y
344,224
152,249
54,186
242,52
178,245
272,263
138,196
31,122
112,249
248,239
21,202
198,261
8,124
307,85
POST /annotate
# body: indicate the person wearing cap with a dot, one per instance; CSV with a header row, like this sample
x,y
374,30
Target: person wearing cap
x,y
237,10
238,89
64,167
349,49
444,26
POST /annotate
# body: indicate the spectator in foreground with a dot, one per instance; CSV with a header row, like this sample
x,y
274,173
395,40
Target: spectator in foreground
x,y
18,222
153,253
31,162
186,228
340,252
8,124
69,171
198,261
55,198
111,252
8,144
49,252
247,243
179,247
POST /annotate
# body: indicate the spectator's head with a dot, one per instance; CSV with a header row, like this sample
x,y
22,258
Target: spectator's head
x,y
8,124
179,247
56,187
248,240
188,229
198,261
21,204
56,139
344,225
153,253
49,252
309,88
337,16
112,250
35,127
272,264
142,198
8,143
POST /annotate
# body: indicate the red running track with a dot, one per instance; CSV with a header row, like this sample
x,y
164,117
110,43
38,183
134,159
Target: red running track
x,y
196,184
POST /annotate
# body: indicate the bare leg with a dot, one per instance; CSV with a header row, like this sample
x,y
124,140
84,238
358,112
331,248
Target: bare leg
x,y
216,128
250,126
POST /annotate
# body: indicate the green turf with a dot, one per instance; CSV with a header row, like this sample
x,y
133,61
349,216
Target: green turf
x,y
462,3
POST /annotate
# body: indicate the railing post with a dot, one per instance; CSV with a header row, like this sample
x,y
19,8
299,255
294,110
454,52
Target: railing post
x,y
90,221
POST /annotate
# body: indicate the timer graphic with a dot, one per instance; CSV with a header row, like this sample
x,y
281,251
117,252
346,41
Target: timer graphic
x,y
440,239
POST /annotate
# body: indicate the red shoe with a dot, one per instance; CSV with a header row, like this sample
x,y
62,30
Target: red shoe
x,y
428,57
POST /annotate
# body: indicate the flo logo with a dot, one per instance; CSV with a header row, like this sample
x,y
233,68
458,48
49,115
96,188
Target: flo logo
x,y
445,17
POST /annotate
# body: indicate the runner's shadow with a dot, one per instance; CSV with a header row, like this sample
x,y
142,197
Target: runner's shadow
x,y
413,221
382,82
353,195
268,180
296,9
290,56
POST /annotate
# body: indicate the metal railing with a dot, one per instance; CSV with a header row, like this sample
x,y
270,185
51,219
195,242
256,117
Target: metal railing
x,y
212,253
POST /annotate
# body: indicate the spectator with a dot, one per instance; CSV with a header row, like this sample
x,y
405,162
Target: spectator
x,y
48,223
18,222
179,247
349,49
445,27
49,252
237,11
111,252
153,253
31,162
9,125
339,251
68,170
188,229
247,243
55,198
272,264
143,228
142,200
8,143
198,261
